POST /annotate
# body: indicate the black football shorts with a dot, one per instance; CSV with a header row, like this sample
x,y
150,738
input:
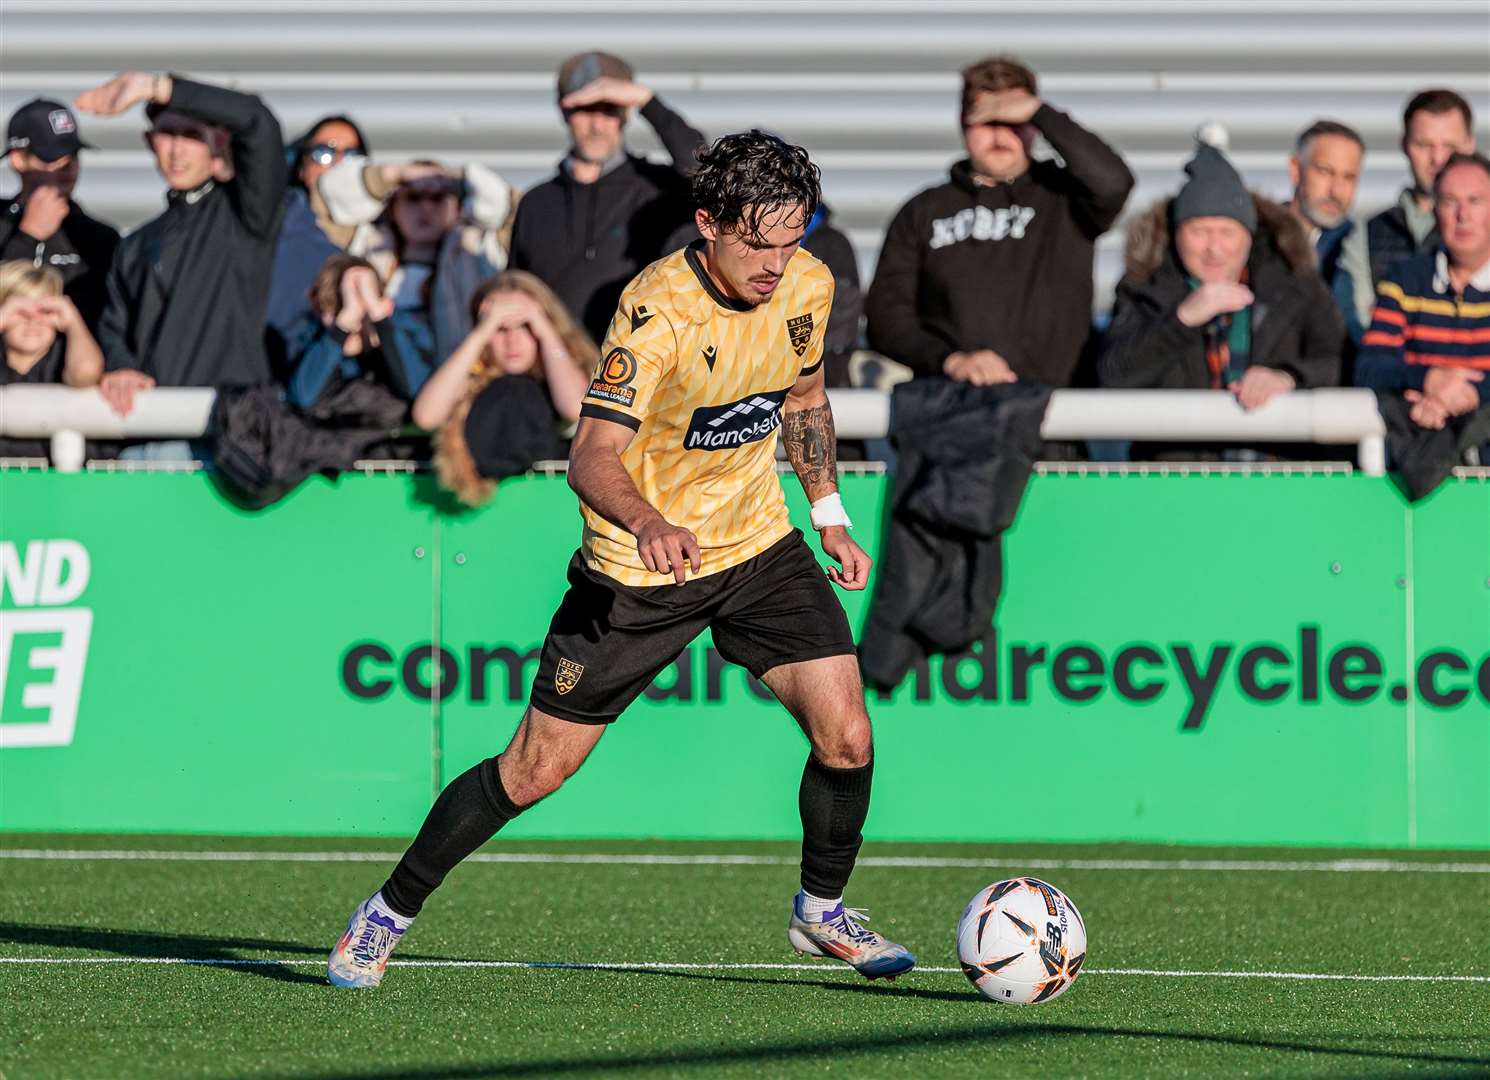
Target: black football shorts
x,y
608,641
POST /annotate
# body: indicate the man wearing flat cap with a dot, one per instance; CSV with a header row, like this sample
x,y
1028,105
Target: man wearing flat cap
x,y
41,224
607,213
1221,293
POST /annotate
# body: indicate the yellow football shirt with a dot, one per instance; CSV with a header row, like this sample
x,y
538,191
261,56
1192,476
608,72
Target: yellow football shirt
x,y
701,378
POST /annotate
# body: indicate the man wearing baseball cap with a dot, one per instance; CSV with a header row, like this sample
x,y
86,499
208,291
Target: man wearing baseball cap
x,y
41,224
606,213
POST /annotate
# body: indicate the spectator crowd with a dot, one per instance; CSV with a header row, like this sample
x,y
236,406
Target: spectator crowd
x,y
312,264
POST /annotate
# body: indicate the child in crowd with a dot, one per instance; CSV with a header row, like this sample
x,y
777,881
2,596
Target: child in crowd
x,y
434,234
504,398
44,337
359,332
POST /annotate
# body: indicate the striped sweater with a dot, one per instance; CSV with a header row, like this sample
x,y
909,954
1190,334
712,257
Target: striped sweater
x,y
1419,323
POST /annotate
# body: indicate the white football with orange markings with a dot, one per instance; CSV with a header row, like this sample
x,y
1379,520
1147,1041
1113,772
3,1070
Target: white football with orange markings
x,y
1021,941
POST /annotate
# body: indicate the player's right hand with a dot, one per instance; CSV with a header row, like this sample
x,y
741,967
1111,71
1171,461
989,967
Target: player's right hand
x,y
666,548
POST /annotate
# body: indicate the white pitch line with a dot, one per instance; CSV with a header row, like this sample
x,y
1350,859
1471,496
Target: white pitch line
x,y
657,965
1334,866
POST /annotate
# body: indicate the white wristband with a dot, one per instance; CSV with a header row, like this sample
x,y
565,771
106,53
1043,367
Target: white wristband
x,y
829,511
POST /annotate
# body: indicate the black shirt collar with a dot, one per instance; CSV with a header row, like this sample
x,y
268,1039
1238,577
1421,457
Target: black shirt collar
x,y
694,254
192,197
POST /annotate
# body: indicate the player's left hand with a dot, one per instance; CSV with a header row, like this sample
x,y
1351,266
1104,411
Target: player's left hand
x,y
853,559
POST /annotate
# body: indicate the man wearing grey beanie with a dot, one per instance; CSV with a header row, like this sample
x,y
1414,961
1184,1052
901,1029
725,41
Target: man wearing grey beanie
x,y
1221,293
1213,190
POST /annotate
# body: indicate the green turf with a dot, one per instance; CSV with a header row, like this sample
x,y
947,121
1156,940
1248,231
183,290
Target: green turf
x,y
131,1020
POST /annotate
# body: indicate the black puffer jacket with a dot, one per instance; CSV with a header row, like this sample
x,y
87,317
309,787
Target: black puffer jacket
x,y
1296,326
586,241
966,454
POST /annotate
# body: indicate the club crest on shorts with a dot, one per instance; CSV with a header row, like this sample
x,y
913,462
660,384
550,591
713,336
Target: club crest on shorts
x,y
566,677
799,330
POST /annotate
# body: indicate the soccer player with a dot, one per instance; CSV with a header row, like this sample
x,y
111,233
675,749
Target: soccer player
x,y
714,350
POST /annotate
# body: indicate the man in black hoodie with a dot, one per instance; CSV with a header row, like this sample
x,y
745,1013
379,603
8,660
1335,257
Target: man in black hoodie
x,y
42,224
606,213
187,291
988,278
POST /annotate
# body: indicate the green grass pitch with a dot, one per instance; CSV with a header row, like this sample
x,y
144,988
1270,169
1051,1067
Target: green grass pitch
x,y
258,1005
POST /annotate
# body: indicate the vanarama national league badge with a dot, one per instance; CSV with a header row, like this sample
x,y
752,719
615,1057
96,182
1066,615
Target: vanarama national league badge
x,y
614,381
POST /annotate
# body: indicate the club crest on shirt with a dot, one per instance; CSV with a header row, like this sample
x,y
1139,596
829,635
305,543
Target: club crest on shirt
x,y
566,677
799,331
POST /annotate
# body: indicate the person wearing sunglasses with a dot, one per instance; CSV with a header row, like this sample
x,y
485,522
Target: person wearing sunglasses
x,y
433,234
326,143
187,290
307,235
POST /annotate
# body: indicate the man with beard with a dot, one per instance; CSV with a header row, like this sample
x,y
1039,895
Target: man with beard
x,y
715,350
1325,170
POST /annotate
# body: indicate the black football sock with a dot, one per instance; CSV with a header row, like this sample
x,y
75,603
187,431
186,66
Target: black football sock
x,y
467,814
834,804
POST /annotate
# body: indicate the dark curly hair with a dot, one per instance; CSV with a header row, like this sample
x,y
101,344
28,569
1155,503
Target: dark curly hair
x,y
745,178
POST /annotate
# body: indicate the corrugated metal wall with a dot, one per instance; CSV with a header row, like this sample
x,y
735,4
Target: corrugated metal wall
x,y
870,87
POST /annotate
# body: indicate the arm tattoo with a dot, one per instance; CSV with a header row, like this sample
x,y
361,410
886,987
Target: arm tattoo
x,y
812,448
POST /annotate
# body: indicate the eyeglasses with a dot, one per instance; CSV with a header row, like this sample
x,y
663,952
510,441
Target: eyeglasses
x,y
329,153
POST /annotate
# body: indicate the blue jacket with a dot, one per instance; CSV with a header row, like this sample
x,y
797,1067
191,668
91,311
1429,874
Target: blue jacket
x,y
300,252
402,360
1328,246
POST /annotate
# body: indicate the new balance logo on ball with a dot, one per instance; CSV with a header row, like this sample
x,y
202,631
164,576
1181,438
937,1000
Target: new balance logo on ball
x,y
724,427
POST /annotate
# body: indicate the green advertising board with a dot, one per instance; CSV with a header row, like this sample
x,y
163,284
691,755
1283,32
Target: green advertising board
x,y
1206,659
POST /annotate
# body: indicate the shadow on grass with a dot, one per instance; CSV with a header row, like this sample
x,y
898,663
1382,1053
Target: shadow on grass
x,y
988,1035
224,952
1403,1063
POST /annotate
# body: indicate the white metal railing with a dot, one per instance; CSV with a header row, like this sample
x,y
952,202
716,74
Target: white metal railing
x,y
1340,417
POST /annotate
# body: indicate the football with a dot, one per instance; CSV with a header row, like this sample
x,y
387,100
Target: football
x,y
1021,941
